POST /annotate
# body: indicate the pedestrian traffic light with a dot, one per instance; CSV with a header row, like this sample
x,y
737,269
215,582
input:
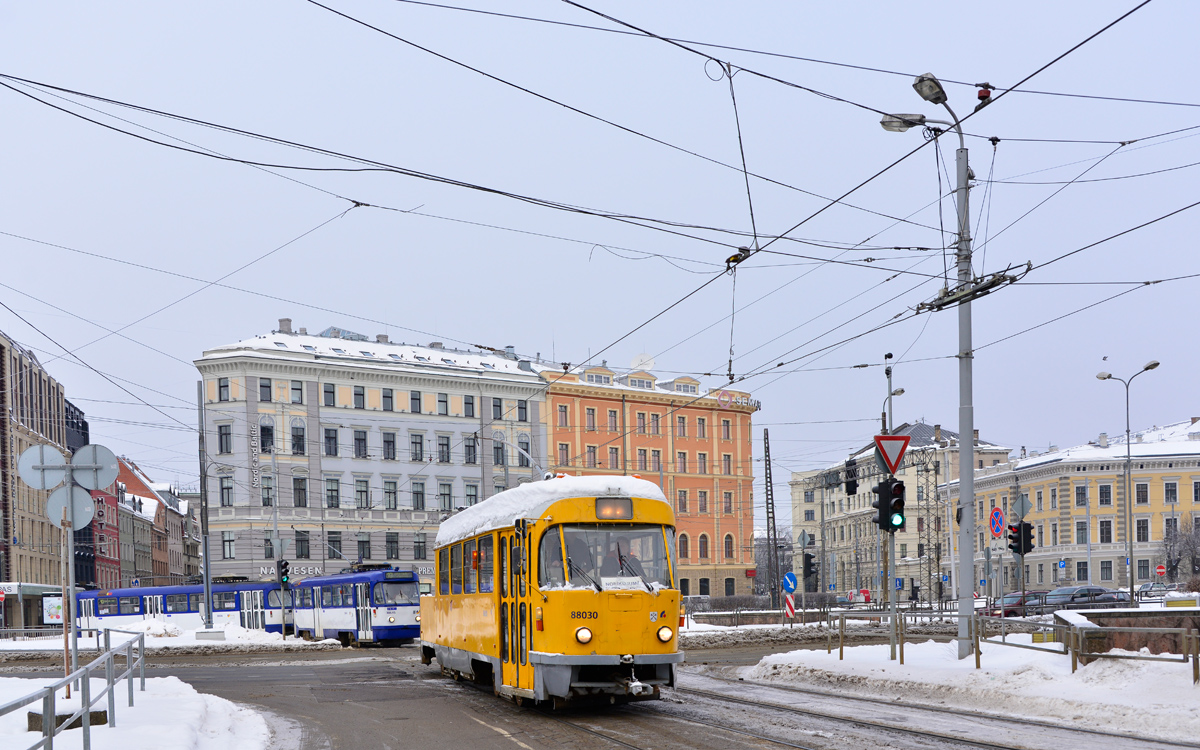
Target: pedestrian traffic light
x,y
1026,537
1014,538
810,565
896,506
883,503
851,476
284,573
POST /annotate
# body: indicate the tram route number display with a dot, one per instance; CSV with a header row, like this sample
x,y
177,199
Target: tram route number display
x,y
585,615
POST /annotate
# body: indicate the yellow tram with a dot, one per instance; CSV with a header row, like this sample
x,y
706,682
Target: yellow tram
x,y
562,590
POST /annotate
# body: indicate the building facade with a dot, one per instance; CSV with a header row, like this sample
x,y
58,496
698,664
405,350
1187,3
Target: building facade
x,y
844,537
107,530
696,445
1078,506
356,449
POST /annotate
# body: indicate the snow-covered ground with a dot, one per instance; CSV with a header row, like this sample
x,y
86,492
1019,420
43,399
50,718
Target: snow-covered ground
x,y
167,635
1155,698
170,715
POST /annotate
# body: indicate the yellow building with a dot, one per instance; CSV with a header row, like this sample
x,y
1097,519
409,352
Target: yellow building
x,y
1077,509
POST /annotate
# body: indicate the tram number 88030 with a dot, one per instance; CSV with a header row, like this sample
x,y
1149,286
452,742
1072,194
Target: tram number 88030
x,y
585,615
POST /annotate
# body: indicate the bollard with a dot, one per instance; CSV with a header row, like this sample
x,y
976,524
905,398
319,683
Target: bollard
x,y
1196,657
85,695
975,629
129,669
109,669
841,637
900,625
1074,646
142,660
828,633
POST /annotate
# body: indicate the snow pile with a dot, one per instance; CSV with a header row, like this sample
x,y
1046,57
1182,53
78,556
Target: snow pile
x,y
156,629
531,500
169,715
1155,697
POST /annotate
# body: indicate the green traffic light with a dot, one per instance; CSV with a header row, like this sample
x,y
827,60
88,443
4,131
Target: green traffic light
x,y
897,520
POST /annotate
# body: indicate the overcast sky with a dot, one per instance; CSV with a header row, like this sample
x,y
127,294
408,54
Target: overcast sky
x,y
106,231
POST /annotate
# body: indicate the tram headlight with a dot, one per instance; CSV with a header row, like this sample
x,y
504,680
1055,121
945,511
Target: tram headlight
x,y
391,619
664,634
418,617
583,635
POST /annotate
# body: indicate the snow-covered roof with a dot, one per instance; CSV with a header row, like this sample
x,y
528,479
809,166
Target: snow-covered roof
x,y
531,500
1181,438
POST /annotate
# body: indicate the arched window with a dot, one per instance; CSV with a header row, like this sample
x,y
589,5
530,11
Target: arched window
x,y
683,547
729,546
266,431
703,546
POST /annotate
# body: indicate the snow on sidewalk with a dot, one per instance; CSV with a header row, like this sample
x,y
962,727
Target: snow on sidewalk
x,y
170,715
167,635
1155,698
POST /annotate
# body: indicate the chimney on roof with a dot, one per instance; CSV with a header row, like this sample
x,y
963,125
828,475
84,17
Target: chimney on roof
x,y
511,351
285,325
381,338
303,331
1195,420
1104,440
976,437
435,345
937,433
1022,451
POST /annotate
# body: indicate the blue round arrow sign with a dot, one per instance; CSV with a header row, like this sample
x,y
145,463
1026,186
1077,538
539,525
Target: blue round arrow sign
x,y
789,582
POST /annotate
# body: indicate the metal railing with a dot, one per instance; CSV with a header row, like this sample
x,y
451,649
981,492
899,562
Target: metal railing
x,y
135,660
48,635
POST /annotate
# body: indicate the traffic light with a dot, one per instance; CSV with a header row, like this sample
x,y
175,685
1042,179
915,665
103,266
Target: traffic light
x,y
284,573
810,565
1014,538
883,503
851,476
1026,538
896,506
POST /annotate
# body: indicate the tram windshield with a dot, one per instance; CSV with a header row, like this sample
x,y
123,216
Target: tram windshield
x,y
397,592
606,556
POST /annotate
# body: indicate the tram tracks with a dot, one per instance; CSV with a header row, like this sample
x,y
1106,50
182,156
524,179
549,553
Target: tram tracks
x,y
688,720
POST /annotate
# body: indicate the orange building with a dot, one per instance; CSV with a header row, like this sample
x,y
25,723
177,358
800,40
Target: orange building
x,y
697,447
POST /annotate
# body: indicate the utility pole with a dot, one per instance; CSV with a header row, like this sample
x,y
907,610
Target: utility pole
x,y
204,551
773,549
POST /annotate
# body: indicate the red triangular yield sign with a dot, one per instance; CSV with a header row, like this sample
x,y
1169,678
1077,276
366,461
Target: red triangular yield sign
x,y
892,448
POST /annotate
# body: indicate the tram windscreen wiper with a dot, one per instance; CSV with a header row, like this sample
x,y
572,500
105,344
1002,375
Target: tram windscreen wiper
x,y
573,568
628,568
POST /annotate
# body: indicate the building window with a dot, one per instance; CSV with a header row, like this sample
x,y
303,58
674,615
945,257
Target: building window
x,y
330,394
268,546
903,550
498,488
1141,494
684,587
1143,529
443,404
416,447
727,503
590,453
1041,573
641,422
614,458
654,424
522,411
729,587
300,492
1053,535
726,430
472,493
562,415
224,438
389,446
389,495
1106,494
589,419
391,545
226,492
1170,493
268,490
364,546
1143,570
1170,527
360,443
682,505
470,454
227,545
726,464
1081,532
333,493
264,390
564,454
419,546
360,397
389,400
704,591
222,389
810,515
702,501
1053,498
681,426
414,402
701,463
1081,496
1039,501
443,445
446,495
302,552
468,406
266,438
612,420
297,392
298,440
498,453
523,453
681,462
683,547
1081,570
333,541
418,495
641,459
655,460
497,408
1105,531
362,494
701,427
1106,570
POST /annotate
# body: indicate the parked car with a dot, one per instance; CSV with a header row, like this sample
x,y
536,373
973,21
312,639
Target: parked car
x,y
1072,597
1112,597
1151,590
1174,587
1018,604
844,602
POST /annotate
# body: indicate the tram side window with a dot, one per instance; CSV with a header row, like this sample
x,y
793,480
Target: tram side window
x,y
106,605
486,565
275,601
177,603
550,559
503,568
130,605
348,594
224,600
444,571
198,602
456,569
468,567
304,598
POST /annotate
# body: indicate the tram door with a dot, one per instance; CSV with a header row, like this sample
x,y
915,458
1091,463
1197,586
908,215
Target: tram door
x,y
362,611
252,614
508,664
154,608
524,614
318,632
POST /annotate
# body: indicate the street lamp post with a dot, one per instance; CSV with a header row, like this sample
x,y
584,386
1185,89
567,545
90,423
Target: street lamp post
x,y
1128,464
931,91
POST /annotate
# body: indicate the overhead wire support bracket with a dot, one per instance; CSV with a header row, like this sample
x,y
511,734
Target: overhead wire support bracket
x,y
981,287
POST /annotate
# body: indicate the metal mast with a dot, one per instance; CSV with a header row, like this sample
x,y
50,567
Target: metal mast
x,y
772,540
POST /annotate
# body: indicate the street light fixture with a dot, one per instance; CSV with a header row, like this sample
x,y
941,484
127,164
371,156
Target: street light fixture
x,y
1152,364
930,89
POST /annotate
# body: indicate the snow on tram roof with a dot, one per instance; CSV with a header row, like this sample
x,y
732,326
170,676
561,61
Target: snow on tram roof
x,y
531,500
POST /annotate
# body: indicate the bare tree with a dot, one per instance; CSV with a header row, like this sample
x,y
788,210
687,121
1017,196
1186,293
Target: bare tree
x,y
762,558
1180,551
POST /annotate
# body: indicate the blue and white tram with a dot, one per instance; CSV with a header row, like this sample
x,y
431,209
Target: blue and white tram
x,y
359,606
253,605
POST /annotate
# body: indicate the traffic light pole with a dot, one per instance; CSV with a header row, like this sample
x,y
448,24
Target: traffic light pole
x,y
891,584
